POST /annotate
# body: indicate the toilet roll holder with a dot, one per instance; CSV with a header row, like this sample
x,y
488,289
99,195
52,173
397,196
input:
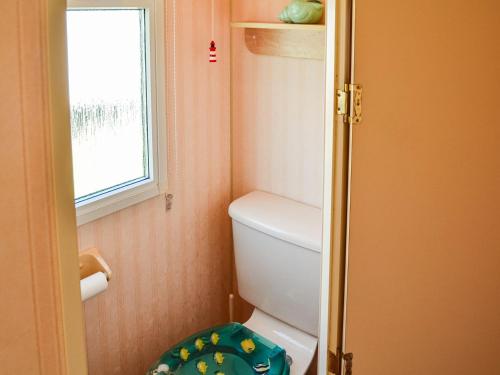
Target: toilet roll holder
x,y
91,262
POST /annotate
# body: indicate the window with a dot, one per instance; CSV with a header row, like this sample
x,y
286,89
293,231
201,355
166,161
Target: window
x,y
115,59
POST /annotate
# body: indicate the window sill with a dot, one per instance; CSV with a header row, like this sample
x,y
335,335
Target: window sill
x,y
106,205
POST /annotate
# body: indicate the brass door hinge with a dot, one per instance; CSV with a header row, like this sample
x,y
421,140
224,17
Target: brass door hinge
x,y
349,103
335,365
348,363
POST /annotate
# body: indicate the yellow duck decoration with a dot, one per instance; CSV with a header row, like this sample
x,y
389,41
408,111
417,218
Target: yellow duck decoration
x,y
184,354
219,358
202,367
199,344
248,346
214,338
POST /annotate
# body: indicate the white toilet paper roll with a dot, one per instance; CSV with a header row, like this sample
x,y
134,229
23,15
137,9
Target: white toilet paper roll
x,y
93,285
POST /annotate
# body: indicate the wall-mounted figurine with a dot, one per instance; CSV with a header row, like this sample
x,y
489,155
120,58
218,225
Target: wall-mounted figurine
x,y
302,11
212,57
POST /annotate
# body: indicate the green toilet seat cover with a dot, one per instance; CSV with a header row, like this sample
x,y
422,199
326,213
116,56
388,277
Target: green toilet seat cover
x,y
231,349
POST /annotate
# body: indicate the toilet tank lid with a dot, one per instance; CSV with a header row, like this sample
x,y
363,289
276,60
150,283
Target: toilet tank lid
x,y
280,217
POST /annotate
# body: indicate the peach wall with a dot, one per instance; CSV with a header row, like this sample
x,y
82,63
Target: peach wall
x,y
172,270
277,120
278,127
258,10
41,325
19,343
277,116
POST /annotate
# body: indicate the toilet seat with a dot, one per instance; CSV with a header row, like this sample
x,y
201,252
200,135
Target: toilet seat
x,y
231,349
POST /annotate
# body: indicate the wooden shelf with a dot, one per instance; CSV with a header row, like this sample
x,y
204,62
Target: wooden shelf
x,y
277,26
284,39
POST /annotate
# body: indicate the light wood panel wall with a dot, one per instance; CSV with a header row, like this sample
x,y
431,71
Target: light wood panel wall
x,y
257,10
172,270
41,325
277,120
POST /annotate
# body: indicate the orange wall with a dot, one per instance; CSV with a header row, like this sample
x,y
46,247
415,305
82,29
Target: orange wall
x,y
424,257
172,270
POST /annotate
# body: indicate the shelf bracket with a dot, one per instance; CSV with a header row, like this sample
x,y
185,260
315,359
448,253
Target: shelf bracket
x,y
296,43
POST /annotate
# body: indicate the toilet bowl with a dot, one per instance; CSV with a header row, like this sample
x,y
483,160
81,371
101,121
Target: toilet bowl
x,y
300,347
277,247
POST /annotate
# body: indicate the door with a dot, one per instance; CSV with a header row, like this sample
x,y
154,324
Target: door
x,y
423,282
41,326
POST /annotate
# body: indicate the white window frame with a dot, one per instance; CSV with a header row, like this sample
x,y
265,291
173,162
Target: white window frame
x,y
129,195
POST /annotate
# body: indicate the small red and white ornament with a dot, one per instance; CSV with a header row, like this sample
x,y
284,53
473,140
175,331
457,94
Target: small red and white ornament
x,y
213,48
213,52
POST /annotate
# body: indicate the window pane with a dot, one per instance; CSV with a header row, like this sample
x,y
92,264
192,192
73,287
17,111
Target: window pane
x,y
108,94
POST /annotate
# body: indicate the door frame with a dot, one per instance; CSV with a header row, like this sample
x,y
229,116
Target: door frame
x,y
336,190
59,160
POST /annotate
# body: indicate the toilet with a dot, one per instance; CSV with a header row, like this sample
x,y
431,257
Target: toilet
x,y
277,246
